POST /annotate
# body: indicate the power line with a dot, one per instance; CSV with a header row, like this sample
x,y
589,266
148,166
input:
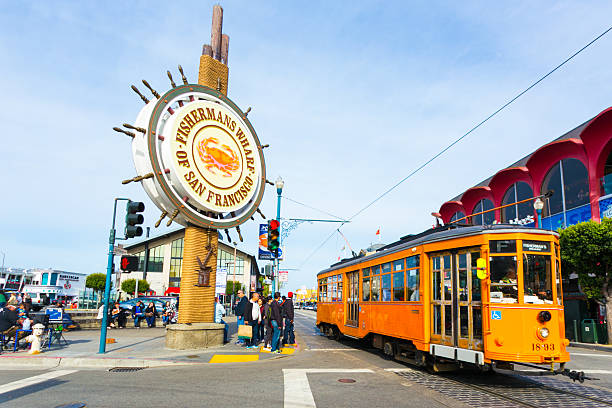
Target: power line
x,y
319,247
480,124
504,106
313,208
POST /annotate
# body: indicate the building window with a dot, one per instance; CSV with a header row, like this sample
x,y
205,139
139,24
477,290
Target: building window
x,y
486,218
520,213
156,259
45,278
606,182
569,180
176,260
54,279
226,260
141,260
456,216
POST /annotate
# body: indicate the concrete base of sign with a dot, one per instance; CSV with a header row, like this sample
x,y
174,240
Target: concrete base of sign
x,y
194,336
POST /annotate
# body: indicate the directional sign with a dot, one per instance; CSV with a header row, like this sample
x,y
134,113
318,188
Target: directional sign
x,y
119,250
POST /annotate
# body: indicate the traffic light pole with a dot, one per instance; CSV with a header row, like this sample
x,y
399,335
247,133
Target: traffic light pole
x,y
279,191
109,273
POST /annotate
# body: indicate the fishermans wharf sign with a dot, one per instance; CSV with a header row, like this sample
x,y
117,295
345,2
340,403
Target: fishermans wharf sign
x,y
206,163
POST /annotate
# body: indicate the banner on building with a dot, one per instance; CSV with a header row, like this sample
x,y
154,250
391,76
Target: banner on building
x,y
221,281
283,276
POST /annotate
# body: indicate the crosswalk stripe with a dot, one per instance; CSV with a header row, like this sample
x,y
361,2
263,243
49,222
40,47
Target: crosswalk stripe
x,y
297,388
26,382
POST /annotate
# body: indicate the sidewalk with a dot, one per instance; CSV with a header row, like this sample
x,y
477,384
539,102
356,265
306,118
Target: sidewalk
x,y
592,346
144,347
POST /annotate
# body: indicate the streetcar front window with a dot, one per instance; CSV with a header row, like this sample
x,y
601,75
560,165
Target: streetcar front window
x,y
504,287
537,279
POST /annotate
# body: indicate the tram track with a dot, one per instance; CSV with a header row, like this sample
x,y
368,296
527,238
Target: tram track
x,y
503,390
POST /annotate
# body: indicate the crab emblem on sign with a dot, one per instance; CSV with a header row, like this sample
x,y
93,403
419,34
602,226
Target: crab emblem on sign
x,y
219,157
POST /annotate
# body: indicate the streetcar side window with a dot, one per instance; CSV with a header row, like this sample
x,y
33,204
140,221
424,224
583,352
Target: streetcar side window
x,y
386,287
504,287
537,279
322,290
339,295
386,267
366,272
398,286
375,289
375,270
412,285
398,265
366,289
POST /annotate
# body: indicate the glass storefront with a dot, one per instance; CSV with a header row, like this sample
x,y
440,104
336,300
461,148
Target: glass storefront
x,y
486,218
519,213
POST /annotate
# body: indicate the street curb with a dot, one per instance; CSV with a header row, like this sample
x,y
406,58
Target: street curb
x,y
598,347
84,362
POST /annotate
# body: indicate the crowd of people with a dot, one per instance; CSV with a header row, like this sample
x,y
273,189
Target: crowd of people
x,y
16,314
117,316
270,319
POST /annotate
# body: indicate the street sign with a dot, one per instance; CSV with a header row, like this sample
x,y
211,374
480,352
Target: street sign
x,y
221,281
119,250
283,276
129,263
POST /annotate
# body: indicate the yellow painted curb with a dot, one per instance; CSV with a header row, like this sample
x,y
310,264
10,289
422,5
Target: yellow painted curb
x,y
287,350
233,358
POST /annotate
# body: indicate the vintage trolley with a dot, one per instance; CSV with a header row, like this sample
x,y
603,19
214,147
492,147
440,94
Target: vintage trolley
x,y
487,296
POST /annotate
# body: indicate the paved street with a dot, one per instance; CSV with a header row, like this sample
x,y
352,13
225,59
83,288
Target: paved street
x,y
308,378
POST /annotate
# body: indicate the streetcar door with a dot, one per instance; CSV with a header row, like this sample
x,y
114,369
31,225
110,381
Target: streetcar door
x,y
352,299
442,322
467,306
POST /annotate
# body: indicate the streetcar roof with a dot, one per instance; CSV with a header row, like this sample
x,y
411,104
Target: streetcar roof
x,y
434,235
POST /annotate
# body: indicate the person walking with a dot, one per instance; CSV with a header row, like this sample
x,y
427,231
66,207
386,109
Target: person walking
x,y
267,318
276,321
151,314
252,317
138,313
260,326
27,302
219,313
241,304
289,335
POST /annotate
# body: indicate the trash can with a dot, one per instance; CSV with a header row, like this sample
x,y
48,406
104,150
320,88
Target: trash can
x,y
602,333
588,331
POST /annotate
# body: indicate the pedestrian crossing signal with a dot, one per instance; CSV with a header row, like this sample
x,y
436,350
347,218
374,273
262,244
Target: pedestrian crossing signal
x,y
273,237
129,263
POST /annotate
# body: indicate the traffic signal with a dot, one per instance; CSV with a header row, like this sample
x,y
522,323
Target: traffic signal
x,y
273,237
132,219
129,263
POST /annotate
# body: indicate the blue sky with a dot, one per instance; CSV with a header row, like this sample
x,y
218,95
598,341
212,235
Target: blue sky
x,y
351,96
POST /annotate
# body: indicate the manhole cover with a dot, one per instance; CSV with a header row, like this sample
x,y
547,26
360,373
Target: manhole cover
x,y
125,369
346,380
193,356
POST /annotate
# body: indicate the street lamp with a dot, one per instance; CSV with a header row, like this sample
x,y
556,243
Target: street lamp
x,y
538,204
279,190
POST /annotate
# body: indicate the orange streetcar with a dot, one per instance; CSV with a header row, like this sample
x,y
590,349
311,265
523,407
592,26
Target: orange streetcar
x,y
487,296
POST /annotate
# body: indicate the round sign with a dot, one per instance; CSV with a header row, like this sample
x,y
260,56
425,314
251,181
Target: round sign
x,y
205,156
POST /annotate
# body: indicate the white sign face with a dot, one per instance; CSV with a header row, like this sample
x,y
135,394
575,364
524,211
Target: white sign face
x,y
283,276
206,161
221,281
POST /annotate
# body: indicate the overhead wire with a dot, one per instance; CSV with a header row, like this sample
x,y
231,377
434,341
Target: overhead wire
x,y
313,208
440,153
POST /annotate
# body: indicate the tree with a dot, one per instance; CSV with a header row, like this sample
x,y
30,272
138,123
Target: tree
x,y
233,287
129,286
586,249
96,281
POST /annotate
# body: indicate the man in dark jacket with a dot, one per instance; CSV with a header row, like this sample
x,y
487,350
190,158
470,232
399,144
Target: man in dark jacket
x,y
241,304
9,321
276,321
288,335
252,317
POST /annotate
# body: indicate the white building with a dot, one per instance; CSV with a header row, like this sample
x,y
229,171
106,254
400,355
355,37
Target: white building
x,y
162,258
50,282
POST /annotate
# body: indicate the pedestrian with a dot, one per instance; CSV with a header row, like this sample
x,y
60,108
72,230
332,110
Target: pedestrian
x,y
289,335
276,321
240,306
252,317
219,313
260,326
151,314
9,321
27,302
166,313
138,313
267,318
118,316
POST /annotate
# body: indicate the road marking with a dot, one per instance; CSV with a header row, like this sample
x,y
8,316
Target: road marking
x,y
297,387
591,354
233,358
333,349
26,382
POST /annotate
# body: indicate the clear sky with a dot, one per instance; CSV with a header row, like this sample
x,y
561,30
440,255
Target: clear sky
x,y
351,96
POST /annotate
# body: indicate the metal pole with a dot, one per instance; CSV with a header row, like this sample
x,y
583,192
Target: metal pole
x,y
109,272
539,218
5,274
279,191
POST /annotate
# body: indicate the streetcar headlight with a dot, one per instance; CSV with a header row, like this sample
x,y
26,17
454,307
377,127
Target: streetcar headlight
x,y
544,332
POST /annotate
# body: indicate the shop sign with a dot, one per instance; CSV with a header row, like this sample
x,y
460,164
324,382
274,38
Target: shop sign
x,y
221,281
605,207
70,277
536,246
